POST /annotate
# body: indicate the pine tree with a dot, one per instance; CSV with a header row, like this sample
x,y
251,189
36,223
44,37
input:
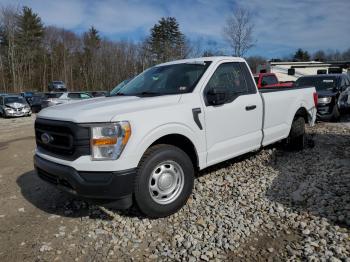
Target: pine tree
x,y
28,42
301,55
30,30
92,42
166,41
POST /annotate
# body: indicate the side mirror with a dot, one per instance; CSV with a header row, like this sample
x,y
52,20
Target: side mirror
x,y
217,96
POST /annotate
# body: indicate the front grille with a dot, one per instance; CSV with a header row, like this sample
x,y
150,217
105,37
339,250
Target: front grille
x,y
67,140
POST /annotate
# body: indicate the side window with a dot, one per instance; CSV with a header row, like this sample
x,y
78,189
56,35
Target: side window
x,y
229,76
269,80
248,78
84,96
74,95
1,99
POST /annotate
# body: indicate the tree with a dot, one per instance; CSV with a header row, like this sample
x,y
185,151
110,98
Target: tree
x,y
29,38
238,31
9,51
255,61
320,55
346,54
166,41
92,41
30,29
301,55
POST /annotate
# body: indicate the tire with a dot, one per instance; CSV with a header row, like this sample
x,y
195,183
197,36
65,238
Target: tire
x,y
296,137
157,172
335,113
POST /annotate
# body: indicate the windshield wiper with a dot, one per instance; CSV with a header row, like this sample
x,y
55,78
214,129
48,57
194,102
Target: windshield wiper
x,y
117,94
148,93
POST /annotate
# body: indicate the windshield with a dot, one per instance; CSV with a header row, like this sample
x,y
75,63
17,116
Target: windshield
x,y
119,86
58,82
14,99
28,94
320,83
164,80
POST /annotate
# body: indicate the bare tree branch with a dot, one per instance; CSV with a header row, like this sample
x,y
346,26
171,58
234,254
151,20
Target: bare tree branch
x,y
238,31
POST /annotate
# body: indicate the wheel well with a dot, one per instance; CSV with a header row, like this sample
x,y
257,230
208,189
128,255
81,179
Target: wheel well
x,y
181,142
303,113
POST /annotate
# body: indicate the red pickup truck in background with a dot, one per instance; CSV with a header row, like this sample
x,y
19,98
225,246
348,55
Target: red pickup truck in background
x,y
269,80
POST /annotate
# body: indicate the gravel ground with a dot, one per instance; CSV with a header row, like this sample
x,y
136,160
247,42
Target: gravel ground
x,y
270,205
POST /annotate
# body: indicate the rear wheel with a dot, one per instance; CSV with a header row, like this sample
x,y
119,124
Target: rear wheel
x,y
164,181
296,138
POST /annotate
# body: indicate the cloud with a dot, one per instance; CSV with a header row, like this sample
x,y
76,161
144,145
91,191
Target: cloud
x,y
63,13
310,24
280,26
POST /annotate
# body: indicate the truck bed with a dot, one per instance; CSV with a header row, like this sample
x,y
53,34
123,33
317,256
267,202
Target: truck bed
x,y
280,105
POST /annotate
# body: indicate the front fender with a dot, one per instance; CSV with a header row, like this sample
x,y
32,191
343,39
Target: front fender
x,y
169,129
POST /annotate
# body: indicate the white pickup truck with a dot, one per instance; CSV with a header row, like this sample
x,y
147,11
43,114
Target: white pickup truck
x,y
144,143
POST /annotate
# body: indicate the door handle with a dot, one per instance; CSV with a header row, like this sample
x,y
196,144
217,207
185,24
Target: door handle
x,y
252,107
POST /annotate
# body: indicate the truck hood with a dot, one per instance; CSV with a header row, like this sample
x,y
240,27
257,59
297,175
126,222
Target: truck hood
x,y
104,109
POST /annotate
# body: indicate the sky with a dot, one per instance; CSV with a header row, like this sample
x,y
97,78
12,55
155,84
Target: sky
x,y
280,26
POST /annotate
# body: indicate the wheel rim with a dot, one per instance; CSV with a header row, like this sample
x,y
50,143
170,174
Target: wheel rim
x,y
166,182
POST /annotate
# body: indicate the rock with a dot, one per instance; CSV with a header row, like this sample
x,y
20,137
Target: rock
x,y
45,247
270,249
306,232
200,221
153,257
334,259
196,253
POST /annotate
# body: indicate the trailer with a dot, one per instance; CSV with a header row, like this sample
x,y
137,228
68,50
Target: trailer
x,y
291,71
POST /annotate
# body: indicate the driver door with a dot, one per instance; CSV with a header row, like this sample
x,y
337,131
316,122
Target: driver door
x,y
234,127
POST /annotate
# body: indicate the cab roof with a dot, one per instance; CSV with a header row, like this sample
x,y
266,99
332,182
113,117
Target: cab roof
x,y
204,59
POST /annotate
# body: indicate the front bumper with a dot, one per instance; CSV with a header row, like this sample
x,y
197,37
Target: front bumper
x,y
87,184
325,112
14,114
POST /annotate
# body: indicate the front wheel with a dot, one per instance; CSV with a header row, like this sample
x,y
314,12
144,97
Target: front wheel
x,y
164,181
336,113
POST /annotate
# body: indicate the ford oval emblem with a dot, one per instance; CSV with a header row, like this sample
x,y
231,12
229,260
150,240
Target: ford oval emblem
x,y
46,138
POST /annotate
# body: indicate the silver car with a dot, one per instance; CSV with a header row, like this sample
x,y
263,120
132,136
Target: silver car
x,y
11,105
57,86
52,99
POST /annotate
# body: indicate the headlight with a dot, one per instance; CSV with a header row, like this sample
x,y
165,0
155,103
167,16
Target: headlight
x,y
8,109
324,100
109,140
